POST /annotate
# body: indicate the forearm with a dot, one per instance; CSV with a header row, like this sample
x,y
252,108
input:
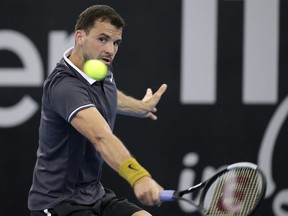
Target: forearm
x,y
117,156
91,124
130,106
112,150
144,108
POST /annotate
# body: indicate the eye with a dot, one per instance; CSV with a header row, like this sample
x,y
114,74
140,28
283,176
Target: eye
x,y
117,43
103,39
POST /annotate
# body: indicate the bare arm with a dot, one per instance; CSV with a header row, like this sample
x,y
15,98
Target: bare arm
x,y
90,123
140,108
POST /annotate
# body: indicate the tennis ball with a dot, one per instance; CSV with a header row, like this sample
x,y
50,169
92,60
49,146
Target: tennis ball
x,y
95,68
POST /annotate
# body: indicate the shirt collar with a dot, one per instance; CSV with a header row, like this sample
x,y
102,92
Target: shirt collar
x,y
66,54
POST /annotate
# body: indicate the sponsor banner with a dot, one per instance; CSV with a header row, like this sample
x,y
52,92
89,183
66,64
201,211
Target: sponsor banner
x,y
225,63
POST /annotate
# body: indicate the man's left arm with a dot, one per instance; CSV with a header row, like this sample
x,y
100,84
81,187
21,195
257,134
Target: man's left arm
x,y
144,108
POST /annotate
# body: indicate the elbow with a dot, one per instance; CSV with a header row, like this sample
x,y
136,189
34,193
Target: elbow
x,y
100,140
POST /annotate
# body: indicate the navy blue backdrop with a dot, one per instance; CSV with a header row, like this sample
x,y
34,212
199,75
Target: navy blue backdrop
x,y
225,63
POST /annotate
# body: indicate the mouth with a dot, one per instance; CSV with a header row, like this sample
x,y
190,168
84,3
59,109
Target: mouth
x,y
106,60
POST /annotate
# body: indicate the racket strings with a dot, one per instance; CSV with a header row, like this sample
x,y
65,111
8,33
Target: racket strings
x,y
234,193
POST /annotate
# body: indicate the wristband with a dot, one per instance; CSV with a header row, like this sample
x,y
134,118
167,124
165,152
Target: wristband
x,y
132,171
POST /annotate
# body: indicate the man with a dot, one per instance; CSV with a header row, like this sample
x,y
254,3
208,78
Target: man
x,y
75,134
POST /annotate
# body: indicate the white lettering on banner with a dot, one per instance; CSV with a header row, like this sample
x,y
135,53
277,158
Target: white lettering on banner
x,y
260,76
19,113
59,42
198,52
187,178
265,158
260,79
30,75
265,162
269,141
280,201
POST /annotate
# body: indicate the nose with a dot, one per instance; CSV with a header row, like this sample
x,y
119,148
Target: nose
x,y
110,48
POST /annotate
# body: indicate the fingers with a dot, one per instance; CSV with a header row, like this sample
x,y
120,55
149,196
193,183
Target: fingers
x,y
161,90
152,116
148,95
147,191
151,100
150,199
149,92
156,97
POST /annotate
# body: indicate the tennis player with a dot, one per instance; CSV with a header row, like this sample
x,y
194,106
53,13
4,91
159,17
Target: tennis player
x,y
75,134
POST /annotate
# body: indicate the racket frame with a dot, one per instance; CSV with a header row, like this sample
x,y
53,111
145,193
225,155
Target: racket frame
x,y
178,195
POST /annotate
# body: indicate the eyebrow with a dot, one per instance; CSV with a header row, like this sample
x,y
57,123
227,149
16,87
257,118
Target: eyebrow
x,y
105,35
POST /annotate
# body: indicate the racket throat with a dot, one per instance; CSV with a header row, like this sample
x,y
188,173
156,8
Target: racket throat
x,y
193,189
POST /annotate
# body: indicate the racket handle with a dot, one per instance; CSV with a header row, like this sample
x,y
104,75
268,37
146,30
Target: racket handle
x,y
167,195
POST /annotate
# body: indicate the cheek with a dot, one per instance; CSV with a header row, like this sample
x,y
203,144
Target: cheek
x,y
91,53
93,48
116,50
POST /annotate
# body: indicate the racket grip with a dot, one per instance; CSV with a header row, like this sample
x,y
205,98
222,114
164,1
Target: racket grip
x,y
167,195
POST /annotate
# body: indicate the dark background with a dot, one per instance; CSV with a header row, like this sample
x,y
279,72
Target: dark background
x,y
225,132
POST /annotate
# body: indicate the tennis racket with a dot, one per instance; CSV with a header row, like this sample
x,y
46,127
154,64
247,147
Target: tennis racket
x,y
236,190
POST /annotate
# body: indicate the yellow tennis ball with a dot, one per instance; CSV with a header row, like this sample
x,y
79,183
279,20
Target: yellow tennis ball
x,y
96,69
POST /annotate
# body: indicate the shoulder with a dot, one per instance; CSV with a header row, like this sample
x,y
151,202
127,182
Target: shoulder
x,y
64,82
63,77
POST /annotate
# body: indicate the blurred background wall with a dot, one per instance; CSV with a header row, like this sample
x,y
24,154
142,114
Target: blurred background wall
x,y
226,66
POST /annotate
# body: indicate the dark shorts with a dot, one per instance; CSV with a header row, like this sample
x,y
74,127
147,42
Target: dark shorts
x,y
109,205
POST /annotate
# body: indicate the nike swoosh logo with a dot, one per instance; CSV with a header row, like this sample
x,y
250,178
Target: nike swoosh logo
x,y
131,167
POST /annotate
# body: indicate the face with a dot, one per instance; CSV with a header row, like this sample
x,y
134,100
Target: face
x,y
101,42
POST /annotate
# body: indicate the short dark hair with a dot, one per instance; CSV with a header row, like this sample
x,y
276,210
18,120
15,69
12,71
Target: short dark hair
x,y
88,17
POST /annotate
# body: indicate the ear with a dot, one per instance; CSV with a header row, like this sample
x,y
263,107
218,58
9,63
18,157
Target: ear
x,y
80,37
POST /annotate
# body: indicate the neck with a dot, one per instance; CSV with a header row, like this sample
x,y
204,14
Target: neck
x,y
76,59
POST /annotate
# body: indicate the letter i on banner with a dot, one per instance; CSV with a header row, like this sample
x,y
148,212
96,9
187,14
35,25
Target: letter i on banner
x,y
198,51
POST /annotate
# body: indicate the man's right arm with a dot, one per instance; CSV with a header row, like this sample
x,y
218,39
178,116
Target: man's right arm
x,y
90,123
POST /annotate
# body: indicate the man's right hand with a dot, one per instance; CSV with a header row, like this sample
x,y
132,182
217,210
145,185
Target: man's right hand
x,y
147,191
